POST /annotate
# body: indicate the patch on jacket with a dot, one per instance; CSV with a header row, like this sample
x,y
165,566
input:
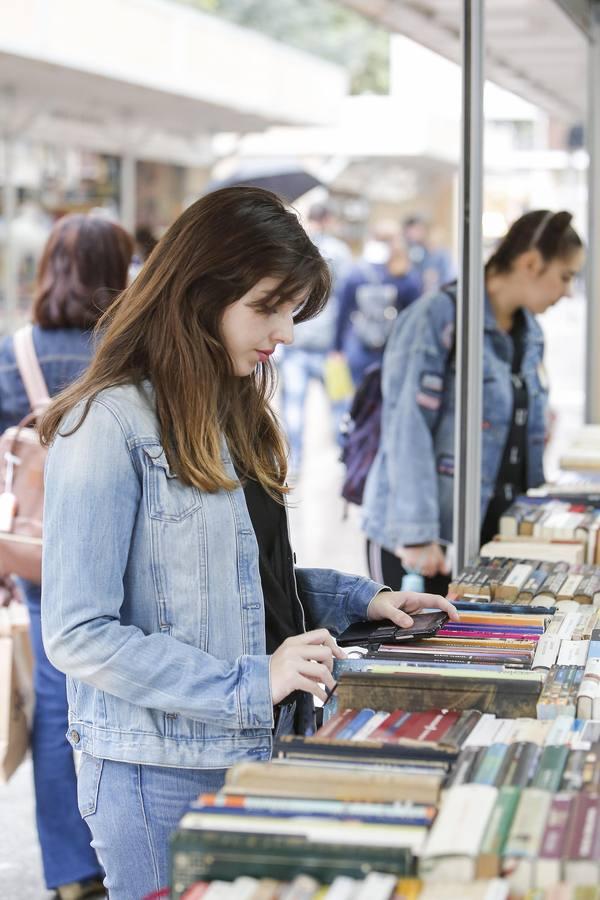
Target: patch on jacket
x,y
431,381
447,336
445,464
428,402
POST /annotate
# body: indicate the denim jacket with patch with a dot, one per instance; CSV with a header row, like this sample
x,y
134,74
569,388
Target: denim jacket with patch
x,y
152,601
409,492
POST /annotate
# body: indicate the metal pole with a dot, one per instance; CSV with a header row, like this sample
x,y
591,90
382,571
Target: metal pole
x,y
470,296
9,207
592,367
127,192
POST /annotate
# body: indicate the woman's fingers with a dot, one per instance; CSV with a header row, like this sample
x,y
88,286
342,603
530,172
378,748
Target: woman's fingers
x,y
316,672
311,687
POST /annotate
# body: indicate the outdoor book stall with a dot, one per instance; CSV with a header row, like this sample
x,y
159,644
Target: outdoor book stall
x,y
465,764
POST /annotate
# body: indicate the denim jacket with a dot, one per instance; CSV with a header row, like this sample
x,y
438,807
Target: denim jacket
x,y
410,488
63,354
152,600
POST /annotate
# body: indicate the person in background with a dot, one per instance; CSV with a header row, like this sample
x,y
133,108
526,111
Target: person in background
x,y
427,254
306,358
82,269
375,290
408,500
189,635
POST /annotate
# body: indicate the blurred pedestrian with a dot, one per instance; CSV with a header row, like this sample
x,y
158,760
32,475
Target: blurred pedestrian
x,y
427,254
182,622
409,495
82,269
379,286
306,358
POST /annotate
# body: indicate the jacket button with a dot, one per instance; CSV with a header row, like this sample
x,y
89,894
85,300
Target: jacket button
x,y
75,736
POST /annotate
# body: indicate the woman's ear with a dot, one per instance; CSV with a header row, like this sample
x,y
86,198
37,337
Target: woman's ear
x,y
529,263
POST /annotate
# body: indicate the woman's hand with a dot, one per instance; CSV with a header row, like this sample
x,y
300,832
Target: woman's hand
x,y
399,606
302,663
426,559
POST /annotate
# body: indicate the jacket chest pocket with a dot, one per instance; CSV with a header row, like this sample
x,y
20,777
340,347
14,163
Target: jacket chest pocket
x,y
168,498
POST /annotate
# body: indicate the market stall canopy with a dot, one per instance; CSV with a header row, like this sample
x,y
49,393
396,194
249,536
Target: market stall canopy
x,y
150,77
533,47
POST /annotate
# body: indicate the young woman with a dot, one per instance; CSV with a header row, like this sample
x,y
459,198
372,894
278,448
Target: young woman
x,y
409,492
186,631
83,268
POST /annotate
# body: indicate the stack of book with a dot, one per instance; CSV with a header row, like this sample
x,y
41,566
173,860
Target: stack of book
x,y
527,795
527,584
536,519
583,454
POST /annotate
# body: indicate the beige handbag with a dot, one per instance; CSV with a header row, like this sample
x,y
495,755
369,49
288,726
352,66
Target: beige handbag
x,y
22,460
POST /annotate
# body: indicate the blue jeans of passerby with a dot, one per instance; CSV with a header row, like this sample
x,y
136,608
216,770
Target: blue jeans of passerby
x,y
297,367
359,357
132,810
64,838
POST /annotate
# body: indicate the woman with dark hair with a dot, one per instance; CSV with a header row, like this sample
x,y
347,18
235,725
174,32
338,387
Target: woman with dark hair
x,y
83,267
408,501
177,612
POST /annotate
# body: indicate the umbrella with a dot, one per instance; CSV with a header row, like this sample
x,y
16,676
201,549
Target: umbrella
x,y
286,179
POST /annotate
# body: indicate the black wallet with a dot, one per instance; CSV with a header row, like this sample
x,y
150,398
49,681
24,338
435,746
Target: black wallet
x,y
386,632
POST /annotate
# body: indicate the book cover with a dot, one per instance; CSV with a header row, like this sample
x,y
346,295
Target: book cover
x,y
548,867
496,833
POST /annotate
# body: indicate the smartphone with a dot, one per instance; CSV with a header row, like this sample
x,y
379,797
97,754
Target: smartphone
x,y
386,632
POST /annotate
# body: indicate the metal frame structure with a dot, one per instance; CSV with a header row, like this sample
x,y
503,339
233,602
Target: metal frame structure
x,y
592,391
470,295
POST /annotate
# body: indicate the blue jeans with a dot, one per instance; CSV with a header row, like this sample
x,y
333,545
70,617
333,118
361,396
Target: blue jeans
x,y
297,367
132,810
64,837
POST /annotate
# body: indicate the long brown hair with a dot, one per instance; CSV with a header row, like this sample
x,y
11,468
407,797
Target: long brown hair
x,y
166,327
83,268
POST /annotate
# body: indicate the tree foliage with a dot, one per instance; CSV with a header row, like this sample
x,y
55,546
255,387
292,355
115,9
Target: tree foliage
x,y
323,27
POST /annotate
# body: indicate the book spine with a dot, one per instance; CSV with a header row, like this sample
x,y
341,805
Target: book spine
x,y
550,768
354,724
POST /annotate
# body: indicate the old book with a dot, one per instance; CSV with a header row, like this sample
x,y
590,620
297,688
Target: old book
x,y
573,653
550,767
502,693
198,855
450,853
548,867
582,850
334,782
525,837
546,652
496,833
533,548
588,695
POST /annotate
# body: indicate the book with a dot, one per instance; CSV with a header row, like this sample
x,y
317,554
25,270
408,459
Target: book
x,y
457,688
588,694
334,781
206,855
525,837
582,847
548,867
450,853
489,859
546,652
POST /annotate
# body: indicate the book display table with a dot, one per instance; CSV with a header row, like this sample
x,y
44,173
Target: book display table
x,y
464,765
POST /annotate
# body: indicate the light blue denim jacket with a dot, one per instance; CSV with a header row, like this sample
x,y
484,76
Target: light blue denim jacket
x,y
409,491
152,600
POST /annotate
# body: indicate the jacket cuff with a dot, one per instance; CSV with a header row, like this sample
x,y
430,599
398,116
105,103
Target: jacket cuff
x,y
359,598
422,533
255,703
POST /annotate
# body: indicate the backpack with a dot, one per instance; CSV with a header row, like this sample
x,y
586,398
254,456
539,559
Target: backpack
x,y
360,431
376,310
22,460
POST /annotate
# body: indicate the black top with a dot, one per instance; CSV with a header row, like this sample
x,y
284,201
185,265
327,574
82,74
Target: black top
x,y
512,475
282,615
